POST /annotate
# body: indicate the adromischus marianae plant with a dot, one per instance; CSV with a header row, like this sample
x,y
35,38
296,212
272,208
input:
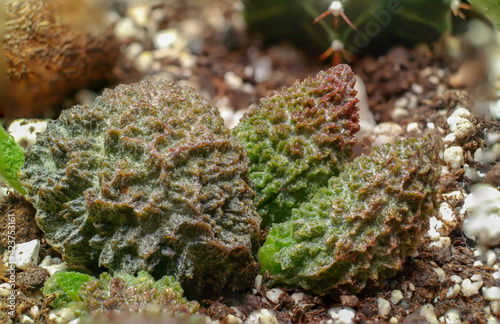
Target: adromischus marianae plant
x,y
298,138
360,228
147,178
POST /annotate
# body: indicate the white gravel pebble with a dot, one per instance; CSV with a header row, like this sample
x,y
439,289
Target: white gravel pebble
x,y
383,306
231,319
417,88
454,156
441,274
427,312
491,293
453,291
401,102
452,316
399,113
274,294
366,119
25,319
144,61
495,307
441,243
297,297
461,112
140,14
233,80
483,221
388,128
262,69
413,128
262,316
126,28
476,277
460,126
396,296
470,288
258,282
455,279
4,290
24,130
491,258
62,315
342,315
165,38
25,254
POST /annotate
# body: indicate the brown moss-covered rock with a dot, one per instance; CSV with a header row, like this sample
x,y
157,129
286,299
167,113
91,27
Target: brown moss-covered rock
x,y
51,48
147,178
17,221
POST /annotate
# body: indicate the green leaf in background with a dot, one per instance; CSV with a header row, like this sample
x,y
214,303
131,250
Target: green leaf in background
x,y
489,8
11,160
66,284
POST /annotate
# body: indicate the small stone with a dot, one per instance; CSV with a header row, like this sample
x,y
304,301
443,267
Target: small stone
x,y
24,130
262,316
140,14
401,102
452,316
491,258
34,311
234,81
396,296
454,156
125,29
455,279
399,113
491,293
383,306
4,290
413,128
342,315
476,277
258,282
427,312
349,301
450,138
453,291
459,126
133,50
441,274
274,295
165,38
262,69
495,308
470,288
144,61
417,88
297,297
461,112
478,264
231,319
388,128
25,254
25,319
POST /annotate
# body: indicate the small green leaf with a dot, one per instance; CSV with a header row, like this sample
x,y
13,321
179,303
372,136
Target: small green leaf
x,y
490,8
11,160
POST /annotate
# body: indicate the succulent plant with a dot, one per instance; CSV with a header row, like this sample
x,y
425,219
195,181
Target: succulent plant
x,y
114,292
65,285
11,160
490,8
298,138
147,178
360,228
380,24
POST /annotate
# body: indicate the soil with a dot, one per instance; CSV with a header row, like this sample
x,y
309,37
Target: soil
x,y
424,74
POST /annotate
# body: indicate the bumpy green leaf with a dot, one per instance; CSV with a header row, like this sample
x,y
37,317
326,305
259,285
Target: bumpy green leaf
x,y
298,138
66,285
11,160
147,178
113,292
361,227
